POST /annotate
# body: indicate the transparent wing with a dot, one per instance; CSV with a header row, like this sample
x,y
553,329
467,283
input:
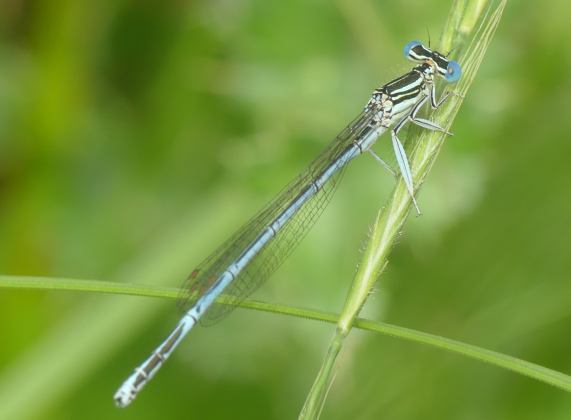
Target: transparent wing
x,y
280,247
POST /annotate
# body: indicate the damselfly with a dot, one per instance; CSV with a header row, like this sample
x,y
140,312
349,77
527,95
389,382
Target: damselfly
x,y
249,257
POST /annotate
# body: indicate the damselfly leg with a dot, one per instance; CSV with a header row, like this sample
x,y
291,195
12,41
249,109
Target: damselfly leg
x,y
382,162
400,153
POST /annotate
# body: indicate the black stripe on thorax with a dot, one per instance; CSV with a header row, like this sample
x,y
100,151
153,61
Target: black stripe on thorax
x,y
405,83
405,87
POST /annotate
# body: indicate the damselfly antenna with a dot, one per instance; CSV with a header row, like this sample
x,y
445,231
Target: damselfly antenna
x,y
450,52
428,33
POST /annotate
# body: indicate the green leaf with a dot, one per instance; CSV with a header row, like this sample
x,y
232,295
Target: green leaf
x,y
522,367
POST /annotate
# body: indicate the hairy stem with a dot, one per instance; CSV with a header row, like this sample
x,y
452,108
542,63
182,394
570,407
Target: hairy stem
x,y
469,29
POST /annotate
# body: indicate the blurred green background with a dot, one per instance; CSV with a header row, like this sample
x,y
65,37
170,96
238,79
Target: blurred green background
x,y
135,136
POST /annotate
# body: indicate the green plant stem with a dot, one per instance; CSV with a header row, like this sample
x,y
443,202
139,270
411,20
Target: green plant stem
x,y
474,20
522,367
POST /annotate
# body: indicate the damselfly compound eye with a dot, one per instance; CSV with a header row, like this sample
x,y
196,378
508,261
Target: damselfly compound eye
x,y
408,49
453,72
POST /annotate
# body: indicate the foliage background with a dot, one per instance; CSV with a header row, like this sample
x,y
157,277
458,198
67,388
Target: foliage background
x,y
136,136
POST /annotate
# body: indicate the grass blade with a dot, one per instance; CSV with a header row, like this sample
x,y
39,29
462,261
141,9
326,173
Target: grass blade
x,y
469,30
522,367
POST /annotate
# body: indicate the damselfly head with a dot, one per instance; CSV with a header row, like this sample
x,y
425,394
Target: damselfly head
x,y
448,69
415,51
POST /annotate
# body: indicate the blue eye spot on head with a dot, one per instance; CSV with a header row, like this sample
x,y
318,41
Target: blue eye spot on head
x,y
453,72
408,47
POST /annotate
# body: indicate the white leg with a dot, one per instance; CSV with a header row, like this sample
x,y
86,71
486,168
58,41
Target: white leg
x,y
404,167
382,162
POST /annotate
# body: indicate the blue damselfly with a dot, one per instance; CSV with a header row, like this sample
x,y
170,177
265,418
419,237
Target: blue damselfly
x,y
249,257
